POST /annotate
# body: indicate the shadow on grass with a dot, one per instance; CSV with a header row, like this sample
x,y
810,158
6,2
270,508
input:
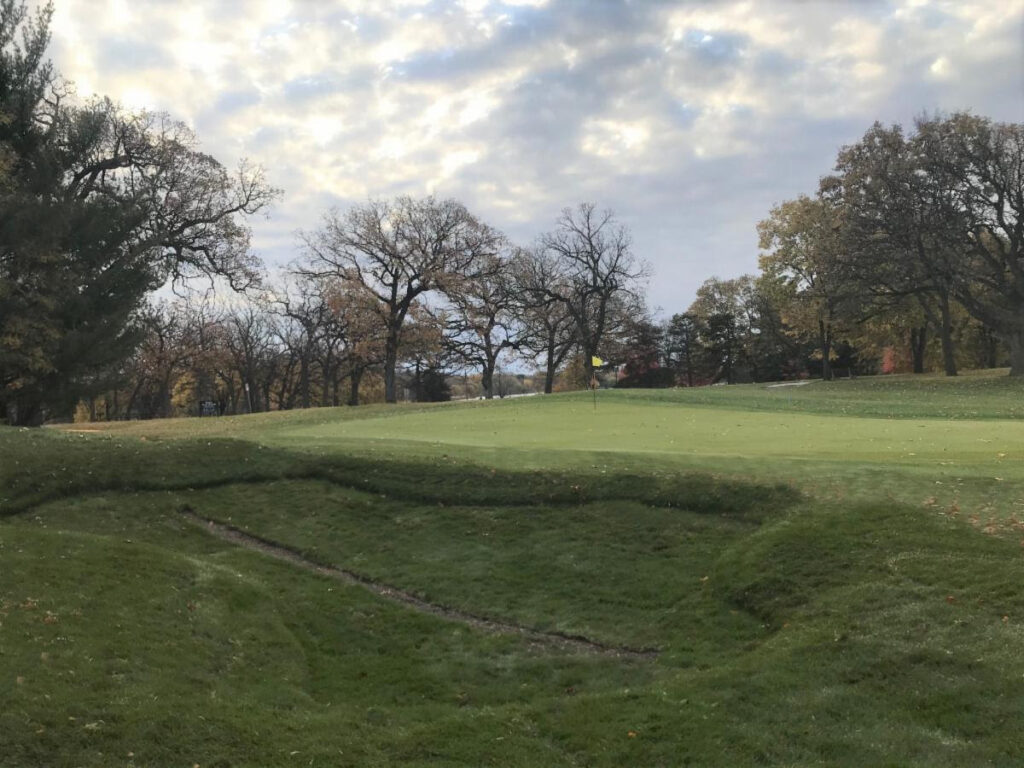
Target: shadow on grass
x,y
40,467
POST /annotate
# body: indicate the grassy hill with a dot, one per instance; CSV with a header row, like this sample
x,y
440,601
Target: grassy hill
x,y
818,575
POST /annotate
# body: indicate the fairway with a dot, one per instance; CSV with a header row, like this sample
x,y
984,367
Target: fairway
x,y
725,576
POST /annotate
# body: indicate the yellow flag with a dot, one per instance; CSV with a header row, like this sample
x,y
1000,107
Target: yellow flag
x,y
596,362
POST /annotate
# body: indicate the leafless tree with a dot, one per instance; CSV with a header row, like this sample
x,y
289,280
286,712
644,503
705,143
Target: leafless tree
x,y
249,341
302,304
483,320
596,269
548,329
166,353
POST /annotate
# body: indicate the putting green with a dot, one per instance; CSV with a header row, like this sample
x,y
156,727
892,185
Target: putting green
x,y
644,427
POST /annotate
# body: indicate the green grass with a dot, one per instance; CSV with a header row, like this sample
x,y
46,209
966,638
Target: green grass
x,y
955,445
988,394
831,576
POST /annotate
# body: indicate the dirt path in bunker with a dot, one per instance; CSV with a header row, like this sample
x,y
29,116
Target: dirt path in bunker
x,y
288,554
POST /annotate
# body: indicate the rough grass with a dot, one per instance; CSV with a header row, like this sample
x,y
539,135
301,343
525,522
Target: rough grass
x,y
808,609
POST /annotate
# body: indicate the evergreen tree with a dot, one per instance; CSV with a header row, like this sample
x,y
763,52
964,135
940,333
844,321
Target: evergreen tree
x,y
99,207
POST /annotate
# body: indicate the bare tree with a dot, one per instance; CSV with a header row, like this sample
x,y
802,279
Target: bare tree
x,y
303,303
549,332
397,251
249,341
165,354
596,268
483,321
213,368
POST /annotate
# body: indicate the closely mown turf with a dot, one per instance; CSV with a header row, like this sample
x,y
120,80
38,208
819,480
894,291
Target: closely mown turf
x,y
831,577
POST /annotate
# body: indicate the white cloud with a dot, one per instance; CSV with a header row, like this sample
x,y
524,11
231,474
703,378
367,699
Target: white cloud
x,y
615,139
691,119
941,67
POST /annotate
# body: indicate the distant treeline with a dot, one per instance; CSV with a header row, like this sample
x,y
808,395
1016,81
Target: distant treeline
x,y
908,256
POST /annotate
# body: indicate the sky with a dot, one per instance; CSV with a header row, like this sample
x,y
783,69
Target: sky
x,y
689,120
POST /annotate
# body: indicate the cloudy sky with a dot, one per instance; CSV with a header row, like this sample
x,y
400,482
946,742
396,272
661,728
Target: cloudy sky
x,y
688,119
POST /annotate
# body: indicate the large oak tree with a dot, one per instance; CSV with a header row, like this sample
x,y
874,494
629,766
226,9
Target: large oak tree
x,y
981,165
802,257
898,232
396,251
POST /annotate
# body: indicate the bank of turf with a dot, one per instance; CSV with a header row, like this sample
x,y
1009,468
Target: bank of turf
x,y
825,599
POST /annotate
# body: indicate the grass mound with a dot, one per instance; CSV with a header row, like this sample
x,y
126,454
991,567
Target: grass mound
x,y
46,466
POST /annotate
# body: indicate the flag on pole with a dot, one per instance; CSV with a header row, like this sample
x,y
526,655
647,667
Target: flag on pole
x,y
596,362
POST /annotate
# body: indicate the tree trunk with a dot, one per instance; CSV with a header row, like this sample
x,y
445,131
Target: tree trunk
x,y
132,398
550,366
164,408
487,380
588,364
1016,343
325,392
304,380
946,335
918,338
825,341
390,363
549,378
353,392
22,414
988,344
31,416
252,394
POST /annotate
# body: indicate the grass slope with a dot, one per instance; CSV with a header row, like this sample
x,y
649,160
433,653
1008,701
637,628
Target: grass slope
x,y
818,596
